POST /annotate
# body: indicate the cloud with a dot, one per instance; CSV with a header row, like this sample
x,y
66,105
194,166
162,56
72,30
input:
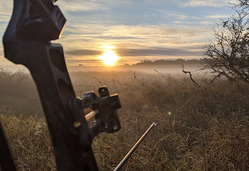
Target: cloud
x,y
91,57
151,28
4,18
195,3
217,16
205,3
154,32
6,7
96,37
180,16
83,61
141,52
157,52
79,5
87,39
84,52
132,37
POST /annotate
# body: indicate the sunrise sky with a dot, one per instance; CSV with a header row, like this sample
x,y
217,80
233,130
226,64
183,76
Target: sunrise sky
x,y
131,30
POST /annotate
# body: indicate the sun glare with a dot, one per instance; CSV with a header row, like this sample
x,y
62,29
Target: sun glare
x,y
109,58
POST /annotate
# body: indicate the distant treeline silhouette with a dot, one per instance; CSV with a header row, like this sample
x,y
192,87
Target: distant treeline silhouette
x,y
167,62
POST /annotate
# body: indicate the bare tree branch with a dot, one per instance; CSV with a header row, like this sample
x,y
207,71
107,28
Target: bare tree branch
x,y
190,75
228,54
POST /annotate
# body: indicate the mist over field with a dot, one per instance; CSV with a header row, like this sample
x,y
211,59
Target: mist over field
x,y
173,69
170,68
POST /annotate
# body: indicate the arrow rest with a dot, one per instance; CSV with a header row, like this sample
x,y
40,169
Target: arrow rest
x,y
33,25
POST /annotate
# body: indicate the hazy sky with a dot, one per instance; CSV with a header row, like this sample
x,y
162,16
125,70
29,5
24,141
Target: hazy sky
x,y
134,30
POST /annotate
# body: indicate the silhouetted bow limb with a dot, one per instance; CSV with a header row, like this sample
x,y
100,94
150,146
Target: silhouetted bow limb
x,y
33,25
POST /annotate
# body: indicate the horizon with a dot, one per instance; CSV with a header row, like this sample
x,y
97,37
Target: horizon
x,y
171,67
130,32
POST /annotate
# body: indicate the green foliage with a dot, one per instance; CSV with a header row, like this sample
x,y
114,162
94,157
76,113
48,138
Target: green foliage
x,y
198,128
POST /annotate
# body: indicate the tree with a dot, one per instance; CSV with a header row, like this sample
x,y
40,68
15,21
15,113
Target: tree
x,y
228,54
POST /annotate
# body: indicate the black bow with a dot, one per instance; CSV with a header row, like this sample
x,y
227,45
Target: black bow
x,y
33,25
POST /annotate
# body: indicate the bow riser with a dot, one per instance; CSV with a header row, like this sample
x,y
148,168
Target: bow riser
x,y
33,25
47,66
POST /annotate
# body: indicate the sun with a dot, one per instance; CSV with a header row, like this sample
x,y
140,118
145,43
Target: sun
x,y
109,57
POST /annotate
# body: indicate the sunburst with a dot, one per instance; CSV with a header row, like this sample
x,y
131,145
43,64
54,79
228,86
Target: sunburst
x,y
109,57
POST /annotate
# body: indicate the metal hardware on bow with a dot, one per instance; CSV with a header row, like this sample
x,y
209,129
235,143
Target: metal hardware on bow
x,y
33,25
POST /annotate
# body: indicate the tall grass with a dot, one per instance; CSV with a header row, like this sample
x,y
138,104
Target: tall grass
x,y
18,94
198,128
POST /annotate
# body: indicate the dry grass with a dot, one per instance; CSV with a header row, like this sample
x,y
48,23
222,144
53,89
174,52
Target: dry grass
x,y
18,94
198,128
29,141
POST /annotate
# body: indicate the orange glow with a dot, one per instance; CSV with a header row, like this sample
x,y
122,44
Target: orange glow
x,y
109,58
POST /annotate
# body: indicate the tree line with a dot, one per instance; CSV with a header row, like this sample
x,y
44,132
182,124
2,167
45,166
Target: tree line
x,y
179,61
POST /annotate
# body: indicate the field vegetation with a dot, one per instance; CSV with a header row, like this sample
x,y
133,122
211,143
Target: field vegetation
x,y
203,127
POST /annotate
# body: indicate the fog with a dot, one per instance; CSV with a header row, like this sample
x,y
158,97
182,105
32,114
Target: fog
x,y
172,69
169,69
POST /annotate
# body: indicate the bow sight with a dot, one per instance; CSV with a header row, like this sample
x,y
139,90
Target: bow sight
x,y
33,25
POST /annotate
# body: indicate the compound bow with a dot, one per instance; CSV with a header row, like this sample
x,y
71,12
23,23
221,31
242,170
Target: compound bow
x,y
27,41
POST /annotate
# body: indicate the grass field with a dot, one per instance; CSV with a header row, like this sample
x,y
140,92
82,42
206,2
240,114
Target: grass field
x,y
198,128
